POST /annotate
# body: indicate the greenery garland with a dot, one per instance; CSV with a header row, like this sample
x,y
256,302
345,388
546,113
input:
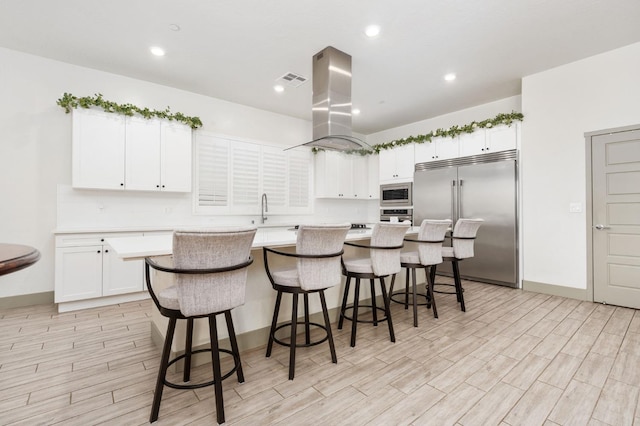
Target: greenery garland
x,y
451,132
68,101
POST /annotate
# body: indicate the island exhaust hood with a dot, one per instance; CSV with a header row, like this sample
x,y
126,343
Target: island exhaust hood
x,y
331,103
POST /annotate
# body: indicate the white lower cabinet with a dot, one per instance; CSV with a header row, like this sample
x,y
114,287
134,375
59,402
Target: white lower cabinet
x,y
88,273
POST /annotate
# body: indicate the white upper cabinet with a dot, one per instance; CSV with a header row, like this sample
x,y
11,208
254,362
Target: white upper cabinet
x,y
360,176
373,187
142,157
98,149
333,175
397,164
111,151
175,157
437,149
486,141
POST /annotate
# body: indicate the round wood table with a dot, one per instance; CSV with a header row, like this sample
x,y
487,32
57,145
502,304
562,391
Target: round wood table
x,y
14,257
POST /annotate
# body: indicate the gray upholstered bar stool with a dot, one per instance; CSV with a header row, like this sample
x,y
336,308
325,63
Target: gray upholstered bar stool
x,y
429,253
317,267
383,260
210,268
462,242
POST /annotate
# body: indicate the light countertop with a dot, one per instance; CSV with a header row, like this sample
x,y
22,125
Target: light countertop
x,y
158,245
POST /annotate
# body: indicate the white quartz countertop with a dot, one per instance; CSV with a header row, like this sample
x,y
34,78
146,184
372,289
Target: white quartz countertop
x,y
158,245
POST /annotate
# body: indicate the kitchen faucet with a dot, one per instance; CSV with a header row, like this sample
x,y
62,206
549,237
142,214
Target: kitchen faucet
x,y
264,207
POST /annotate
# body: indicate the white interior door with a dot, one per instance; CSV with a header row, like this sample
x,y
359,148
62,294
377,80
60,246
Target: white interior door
x,y
616,218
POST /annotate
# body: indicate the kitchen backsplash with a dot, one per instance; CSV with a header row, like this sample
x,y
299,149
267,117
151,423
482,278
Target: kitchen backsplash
x,y
82,209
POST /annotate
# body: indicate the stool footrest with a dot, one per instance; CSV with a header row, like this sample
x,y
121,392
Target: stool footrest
x,y
402,302
384,318
444,292
236,364
301,345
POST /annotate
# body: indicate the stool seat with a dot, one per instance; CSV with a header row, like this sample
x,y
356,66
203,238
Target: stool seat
x,y
383,261
210,278
447,252
317,267
429,241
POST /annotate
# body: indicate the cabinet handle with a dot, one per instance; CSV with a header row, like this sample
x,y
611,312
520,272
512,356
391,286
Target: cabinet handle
x,y
487,148
157,186
106,251
98,251
122,184
102,239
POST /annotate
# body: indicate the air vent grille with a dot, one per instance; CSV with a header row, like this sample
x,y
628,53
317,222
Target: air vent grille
x,y
292,79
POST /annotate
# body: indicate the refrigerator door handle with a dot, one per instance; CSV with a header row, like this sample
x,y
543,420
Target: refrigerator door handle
x,y
460,199
453,199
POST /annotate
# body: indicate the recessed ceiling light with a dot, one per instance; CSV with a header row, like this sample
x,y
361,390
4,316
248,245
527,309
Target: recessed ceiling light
x,y
450,77
355,111
278,88
174,27
157,51
372,30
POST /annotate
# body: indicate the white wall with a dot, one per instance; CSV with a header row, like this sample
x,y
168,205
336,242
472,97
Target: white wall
x,y
559,106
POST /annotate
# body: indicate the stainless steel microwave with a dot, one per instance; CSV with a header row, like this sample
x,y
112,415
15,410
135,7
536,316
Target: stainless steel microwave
x,y
396,195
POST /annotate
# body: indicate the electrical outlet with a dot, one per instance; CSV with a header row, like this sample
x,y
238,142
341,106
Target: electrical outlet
x,y
575,207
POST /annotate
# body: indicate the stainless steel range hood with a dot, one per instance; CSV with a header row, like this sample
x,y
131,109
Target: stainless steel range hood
x,y
331,109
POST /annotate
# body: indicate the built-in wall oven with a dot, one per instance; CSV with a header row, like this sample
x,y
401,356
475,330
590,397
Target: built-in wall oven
x,y
396,202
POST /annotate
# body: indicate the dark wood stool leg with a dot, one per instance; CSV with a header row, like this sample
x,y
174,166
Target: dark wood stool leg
x,y
458,282
373,303
217,374
344,302
387,309
327,324
406,289
274,323
415,298
430,294
162,372
307,327
234,344
186,374
294,326
354,322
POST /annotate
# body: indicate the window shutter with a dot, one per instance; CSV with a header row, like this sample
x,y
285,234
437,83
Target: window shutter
x,y
299,171
212,171
246,176
274,176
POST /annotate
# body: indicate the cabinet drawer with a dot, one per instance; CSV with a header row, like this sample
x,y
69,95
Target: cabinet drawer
x,y
78,240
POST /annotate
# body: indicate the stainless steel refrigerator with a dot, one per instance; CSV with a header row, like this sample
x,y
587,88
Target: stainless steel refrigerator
x,y
481,186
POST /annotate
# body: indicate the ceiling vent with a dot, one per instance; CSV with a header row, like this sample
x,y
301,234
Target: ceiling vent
x,y
292,79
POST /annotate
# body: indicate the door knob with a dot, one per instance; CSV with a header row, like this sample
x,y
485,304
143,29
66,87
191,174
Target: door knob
x,y
601,227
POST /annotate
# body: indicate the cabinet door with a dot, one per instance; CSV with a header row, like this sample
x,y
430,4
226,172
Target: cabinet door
x,y
98,149
359,176
472,143
175,162
387,164
425,152
333,174
447,148
143,154
501,138
374,177
78,273
119,276
405,161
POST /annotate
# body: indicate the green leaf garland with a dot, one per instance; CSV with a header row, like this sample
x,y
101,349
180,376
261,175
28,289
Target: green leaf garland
x,y
68,101
451,132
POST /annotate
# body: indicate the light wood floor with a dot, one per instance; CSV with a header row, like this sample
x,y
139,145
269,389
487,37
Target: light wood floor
x,y
513,358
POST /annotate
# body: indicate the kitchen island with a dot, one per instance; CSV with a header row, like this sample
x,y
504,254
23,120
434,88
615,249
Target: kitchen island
x,y
253,319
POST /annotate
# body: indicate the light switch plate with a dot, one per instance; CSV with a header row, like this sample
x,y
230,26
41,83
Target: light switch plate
x,y
575,207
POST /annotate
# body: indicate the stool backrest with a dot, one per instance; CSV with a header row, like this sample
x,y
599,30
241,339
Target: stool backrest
x,y
432,230
202,294
464,234
387,262
320,273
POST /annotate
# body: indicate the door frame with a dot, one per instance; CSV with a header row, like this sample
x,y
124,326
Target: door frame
x,y
588,136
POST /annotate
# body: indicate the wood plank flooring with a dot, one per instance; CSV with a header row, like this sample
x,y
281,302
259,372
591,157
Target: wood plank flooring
x,y
514,358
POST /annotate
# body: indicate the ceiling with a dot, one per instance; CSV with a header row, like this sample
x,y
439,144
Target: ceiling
x,y
236,49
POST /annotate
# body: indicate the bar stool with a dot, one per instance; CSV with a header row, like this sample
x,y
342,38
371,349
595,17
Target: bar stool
x,y
383,260
430,239
318,251
464,234
210,268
